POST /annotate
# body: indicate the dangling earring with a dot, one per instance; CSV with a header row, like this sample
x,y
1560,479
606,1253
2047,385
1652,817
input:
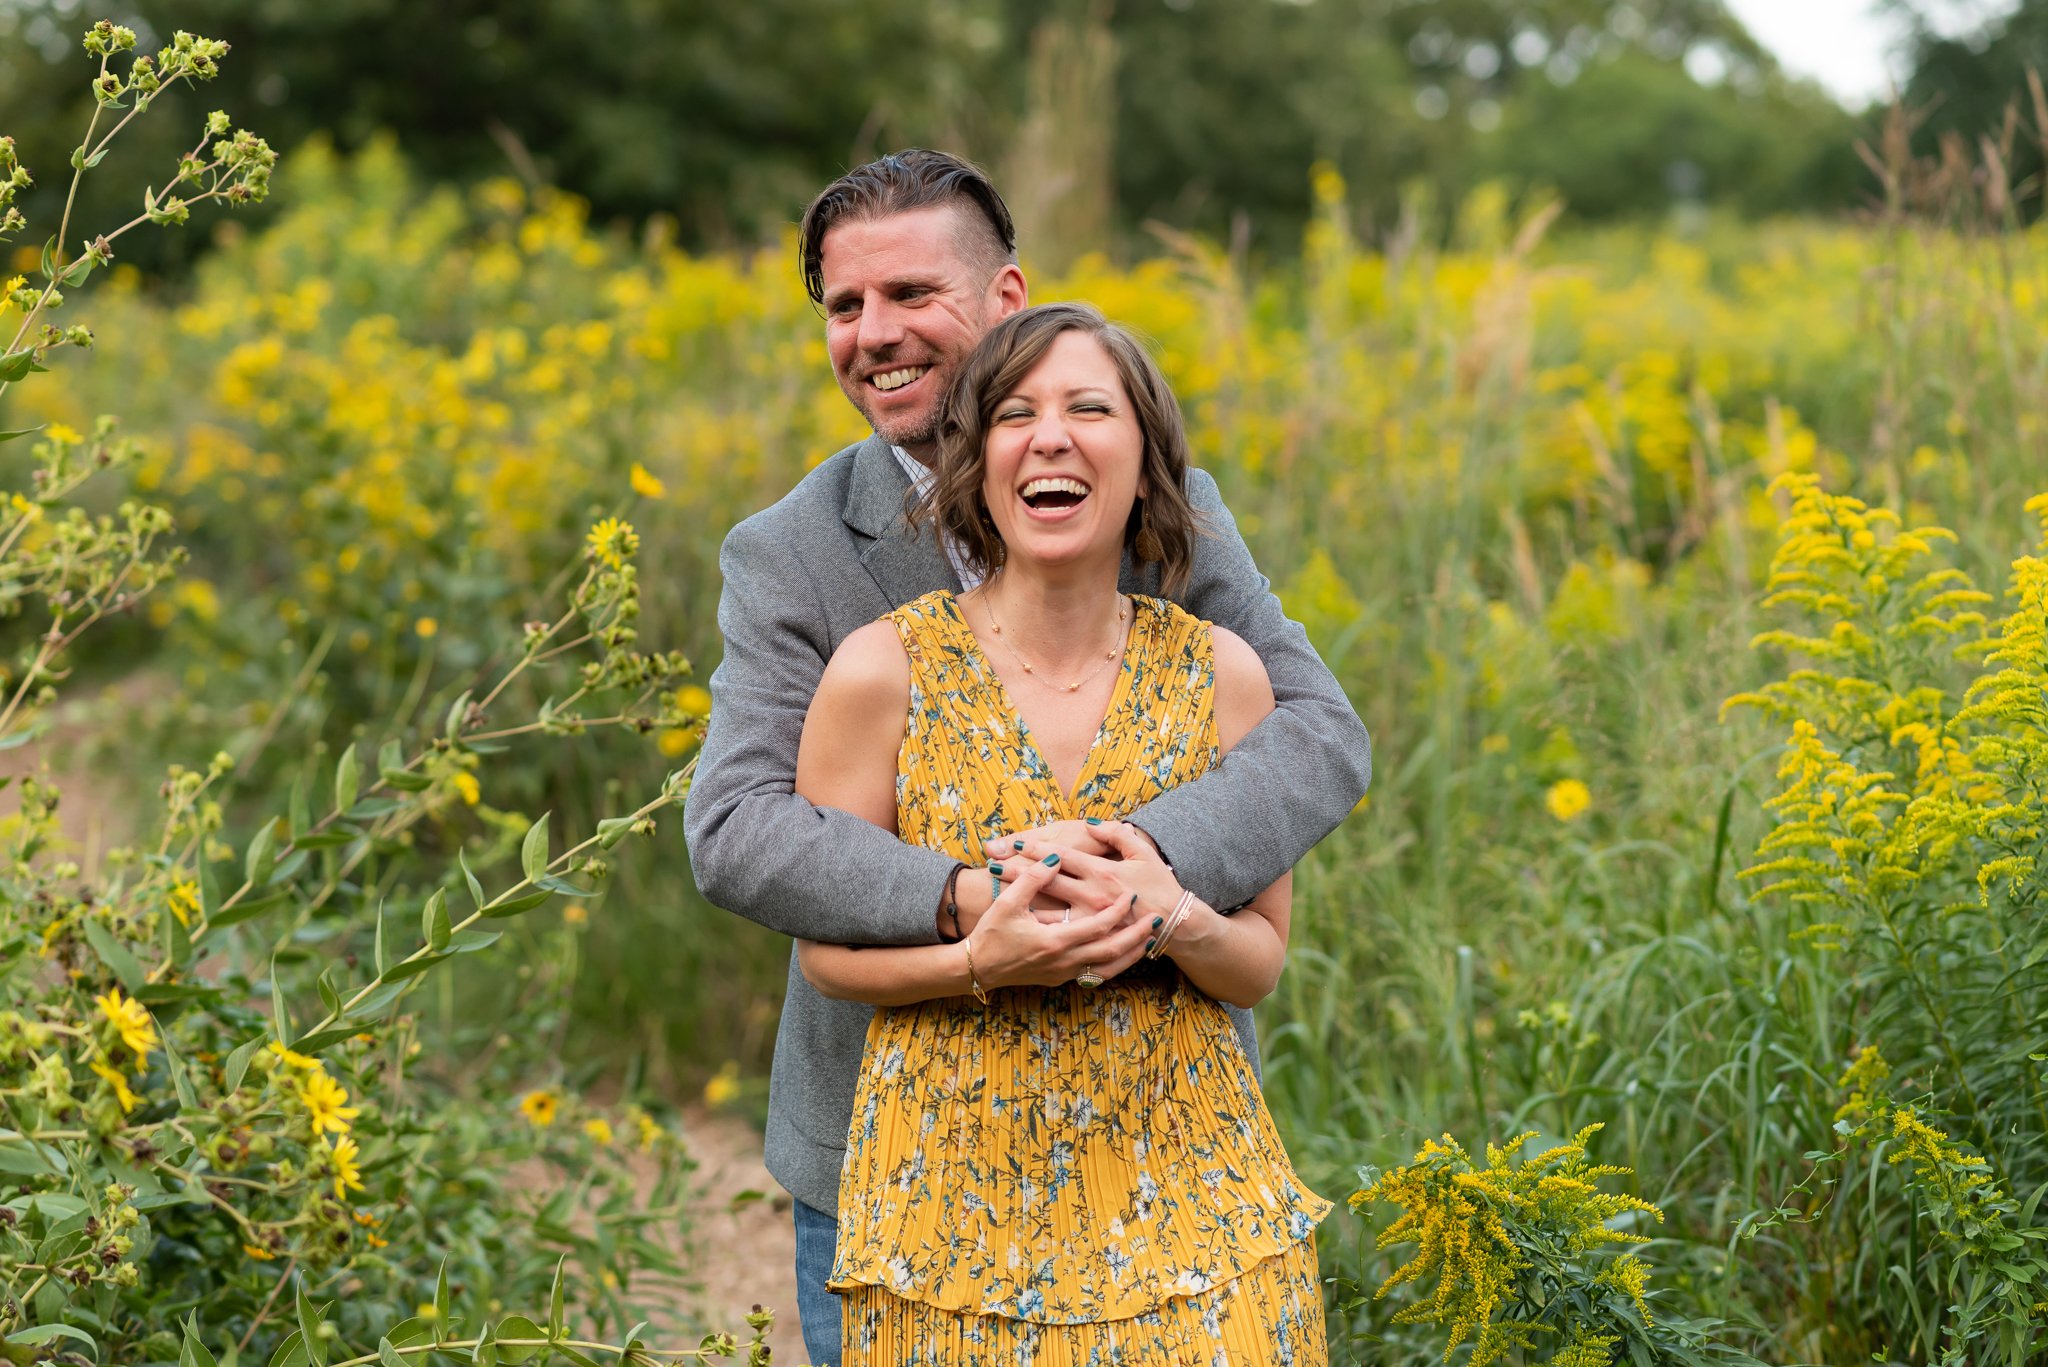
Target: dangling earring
x,y
1146,544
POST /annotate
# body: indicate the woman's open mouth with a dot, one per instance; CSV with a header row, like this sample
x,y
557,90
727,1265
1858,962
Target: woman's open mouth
x,y
1052,495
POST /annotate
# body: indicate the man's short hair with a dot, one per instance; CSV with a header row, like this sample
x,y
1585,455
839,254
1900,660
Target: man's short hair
x,y
915,178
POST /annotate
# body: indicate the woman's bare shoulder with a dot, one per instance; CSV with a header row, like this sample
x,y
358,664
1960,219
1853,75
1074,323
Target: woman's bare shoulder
x,y
870,668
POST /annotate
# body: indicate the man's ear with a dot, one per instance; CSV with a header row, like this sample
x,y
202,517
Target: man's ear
x,y
1008,293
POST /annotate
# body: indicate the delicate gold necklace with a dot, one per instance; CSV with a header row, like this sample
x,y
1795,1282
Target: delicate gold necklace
x,y
1111,654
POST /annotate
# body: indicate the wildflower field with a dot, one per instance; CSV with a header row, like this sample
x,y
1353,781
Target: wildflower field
x,y
1677,994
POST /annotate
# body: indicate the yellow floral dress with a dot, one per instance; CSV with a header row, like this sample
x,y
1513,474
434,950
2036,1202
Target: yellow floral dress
x,y
1065,1177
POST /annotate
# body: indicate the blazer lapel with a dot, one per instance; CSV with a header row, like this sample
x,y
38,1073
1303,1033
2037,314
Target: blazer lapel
x,y
906,565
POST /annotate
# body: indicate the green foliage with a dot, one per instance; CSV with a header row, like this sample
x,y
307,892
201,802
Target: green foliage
x,y
1523,1259
1912,832
172,1159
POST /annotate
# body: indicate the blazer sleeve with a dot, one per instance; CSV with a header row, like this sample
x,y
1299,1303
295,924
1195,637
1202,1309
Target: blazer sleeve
x,y
1296,775
756,848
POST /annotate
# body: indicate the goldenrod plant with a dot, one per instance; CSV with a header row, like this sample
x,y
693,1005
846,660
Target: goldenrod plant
x,y
223,1134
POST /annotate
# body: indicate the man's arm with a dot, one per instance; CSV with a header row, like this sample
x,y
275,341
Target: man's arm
x,y
755,846
1234,831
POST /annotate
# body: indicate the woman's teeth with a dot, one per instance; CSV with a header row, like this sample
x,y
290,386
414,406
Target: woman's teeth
x,y
896,379
1054,492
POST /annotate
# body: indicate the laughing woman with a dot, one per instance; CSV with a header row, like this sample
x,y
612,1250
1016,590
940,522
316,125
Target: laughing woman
x,y
1059,1153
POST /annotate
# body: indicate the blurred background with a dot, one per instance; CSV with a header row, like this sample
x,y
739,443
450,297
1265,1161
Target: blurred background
x,y
1495,319
1100,118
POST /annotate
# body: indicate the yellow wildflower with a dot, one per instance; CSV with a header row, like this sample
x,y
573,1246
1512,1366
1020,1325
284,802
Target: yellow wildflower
x,y
63,435
694,700
184,900
539,1107
347,1175
599,1129
725,1086
465,784
425,628
131,1018
326,1102
575,914
119,1082
294,1059
29,512
612,541
645,484
260,1254
1568,799
647,1131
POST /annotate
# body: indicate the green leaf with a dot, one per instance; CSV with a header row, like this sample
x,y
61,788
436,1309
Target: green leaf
x,y
405,781
262,856
22,432
96,158
581,1359
26,1158
387,1356
612,830
441,1294
434,920
453,728
348,775
556,883
330,997
249,908
320,1039
476,889
238,1064
471,940
407,1332
291,1352
327,839
299,806
14,740
209,890
309,1325
194,1352
43,1333
390,755
180,1084
115,955
177,939
409,968
517,1327
16,364
49,265
381,958
631,1342
557,1324
485,1354
533,851
279,1017
512,906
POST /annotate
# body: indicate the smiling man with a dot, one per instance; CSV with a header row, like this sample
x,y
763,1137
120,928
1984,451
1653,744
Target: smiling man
x,y
912,258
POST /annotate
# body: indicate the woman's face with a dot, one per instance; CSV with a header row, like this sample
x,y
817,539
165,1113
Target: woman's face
x,y
1064,461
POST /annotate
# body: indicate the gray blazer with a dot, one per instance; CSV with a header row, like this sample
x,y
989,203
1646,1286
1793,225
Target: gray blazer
x,y
835,554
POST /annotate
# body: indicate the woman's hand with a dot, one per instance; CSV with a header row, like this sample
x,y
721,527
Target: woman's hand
x,y
1092,883
1013,946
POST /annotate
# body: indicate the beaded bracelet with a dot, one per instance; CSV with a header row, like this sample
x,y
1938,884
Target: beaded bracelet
x,y
953,904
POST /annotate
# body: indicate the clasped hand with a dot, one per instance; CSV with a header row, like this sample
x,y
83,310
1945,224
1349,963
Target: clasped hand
x,y
1077,897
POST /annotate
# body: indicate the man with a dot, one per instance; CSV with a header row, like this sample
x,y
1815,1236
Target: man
x,y
912,259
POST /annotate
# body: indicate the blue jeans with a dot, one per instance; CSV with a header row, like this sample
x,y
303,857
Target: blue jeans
x,y
817,1236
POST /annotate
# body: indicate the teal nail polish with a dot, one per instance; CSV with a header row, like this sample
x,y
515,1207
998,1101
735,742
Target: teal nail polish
x,y
1051,859
1020,846
996,869
1158,921
1149,944
1094,821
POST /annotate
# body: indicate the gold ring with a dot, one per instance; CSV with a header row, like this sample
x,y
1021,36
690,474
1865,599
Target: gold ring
x,y
1089,978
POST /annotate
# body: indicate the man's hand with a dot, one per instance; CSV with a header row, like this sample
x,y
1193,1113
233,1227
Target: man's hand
x,y
1090,883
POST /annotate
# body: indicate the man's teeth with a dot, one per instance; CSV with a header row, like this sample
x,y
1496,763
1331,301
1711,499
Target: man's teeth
x,y
896,379
1055,486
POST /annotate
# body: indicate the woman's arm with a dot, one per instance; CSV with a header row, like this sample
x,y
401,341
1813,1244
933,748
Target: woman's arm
x,y
847,760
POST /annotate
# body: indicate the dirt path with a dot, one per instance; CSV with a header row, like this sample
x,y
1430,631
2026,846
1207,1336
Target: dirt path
x,y
743,1254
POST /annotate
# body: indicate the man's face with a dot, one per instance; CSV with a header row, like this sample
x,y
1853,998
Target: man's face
x,y
903,307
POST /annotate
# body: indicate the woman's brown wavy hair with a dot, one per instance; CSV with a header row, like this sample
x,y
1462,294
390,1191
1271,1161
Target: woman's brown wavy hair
x,y
993,371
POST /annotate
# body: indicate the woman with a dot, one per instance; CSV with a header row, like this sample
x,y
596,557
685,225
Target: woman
x,y
1040,1170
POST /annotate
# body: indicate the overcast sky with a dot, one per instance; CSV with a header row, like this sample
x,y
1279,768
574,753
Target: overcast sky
x,y
1840,42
